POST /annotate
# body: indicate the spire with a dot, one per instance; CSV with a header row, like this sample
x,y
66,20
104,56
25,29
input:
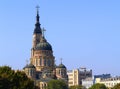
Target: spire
x,y
37,17
61,60
37,25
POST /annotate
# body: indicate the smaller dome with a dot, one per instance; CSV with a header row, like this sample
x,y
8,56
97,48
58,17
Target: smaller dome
x,y
29,66
61,66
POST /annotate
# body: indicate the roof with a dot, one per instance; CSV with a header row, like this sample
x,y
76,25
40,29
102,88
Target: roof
x,y
43,45
29,66
61,66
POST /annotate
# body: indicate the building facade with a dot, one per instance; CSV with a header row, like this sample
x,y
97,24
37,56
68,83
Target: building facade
x,y
87,83
108,82
42,66
75,76
84,73
103,76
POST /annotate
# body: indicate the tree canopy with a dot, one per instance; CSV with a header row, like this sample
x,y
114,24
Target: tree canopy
x,y
57,84
98,86
10,79
77,87
116,86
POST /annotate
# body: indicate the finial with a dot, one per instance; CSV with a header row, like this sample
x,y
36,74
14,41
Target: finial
x,y
37,17
61,60
27,62
43,30
37,9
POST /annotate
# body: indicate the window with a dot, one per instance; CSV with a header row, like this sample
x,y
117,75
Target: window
x,y
44,62
49,62
40,61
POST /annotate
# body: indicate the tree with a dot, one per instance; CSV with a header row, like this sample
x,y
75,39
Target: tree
x,y
98,86
57,84
9,79
4,83
116,86
76,87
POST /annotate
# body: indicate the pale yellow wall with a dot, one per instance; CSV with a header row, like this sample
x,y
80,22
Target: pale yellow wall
x,y
73,77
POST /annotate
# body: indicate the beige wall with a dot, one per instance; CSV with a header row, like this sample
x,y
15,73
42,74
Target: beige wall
x,y
73,77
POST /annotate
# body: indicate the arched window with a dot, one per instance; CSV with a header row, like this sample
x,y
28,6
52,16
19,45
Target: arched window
x,y
44,62
59,72
37,62
30,72
40,61
49,63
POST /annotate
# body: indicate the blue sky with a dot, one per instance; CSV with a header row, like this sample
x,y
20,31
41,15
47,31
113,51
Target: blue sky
x,y
85,33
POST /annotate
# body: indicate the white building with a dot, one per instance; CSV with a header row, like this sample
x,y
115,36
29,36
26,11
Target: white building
x,y
108,82
88,82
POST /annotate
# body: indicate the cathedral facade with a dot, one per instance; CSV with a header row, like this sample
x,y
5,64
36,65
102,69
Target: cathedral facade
x,y
42,67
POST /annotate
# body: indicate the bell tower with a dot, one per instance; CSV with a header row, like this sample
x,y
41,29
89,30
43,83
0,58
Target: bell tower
x,y
37,31
41,53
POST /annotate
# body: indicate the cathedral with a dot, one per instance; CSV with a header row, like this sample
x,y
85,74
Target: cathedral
x,y
42,67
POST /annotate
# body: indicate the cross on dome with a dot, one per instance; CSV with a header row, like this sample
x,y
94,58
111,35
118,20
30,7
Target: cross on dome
x,y
27,62
43,31
37,9
61,60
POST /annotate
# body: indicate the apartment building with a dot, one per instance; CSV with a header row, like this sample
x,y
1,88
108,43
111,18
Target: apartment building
x,y
109,82
75,76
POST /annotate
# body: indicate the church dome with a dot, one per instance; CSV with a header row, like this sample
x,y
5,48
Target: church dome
x,y
43,45
29,66
61,66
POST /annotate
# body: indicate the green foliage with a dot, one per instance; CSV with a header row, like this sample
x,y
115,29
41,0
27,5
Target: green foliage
x,y
116,86
98,86
4,82
76,87
9,79
57,84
